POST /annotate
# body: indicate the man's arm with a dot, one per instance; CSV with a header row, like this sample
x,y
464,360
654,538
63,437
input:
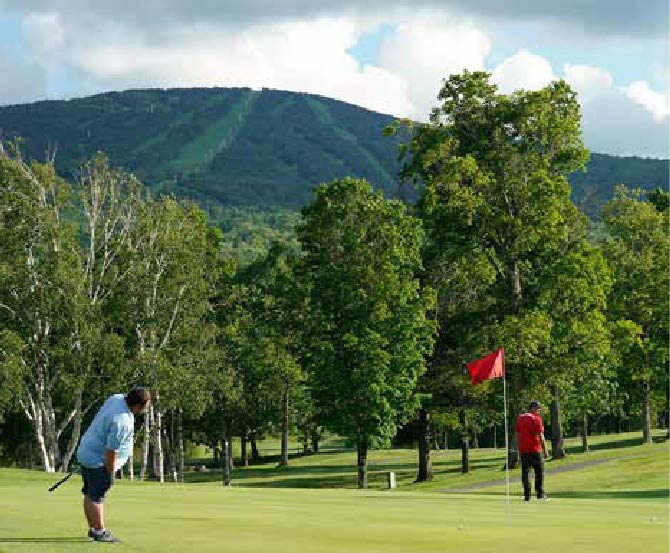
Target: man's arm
x,y
110,460
544,445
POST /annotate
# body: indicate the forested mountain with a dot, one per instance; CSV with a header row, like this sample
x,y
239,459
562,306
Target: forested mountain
x,y
237,146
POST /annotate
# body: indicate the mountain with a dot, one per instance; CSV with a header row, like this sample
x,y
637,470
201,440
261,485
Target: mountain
x,y
242,147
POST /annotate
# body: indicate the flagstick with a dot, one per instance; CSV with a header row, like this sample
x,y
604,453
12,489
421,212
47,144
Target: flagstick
x,y
506,449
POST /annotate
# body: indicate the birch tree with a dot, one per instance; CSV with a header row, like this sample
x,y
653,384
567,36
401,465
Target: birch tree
x,y
167,301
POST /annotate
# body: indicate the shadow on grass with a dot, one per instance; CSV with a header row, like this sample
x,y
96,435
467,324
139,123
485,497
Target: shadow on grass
x,y
72,539
298,477
331,475
250,473
603,494
628,442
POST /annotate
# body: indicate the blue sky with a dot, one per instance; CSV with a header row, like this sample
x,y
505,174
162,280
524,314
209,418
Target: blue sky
x,y
387,56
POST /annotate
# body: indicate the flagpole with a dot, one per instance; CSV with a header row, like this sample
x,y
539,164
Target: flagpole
x,y
506,449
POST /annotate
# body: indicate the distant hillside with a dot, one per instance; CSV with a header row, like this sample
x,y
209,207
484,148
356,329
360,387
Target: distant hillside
x,y
236,146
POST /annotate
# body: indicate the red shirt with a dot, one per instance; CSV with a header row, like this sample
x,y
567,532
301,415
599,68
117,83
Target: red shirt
x,y
529,427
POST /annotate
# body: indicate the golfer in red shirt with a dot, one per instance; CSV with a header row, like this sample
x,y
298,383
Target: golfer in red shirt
x,y
530,439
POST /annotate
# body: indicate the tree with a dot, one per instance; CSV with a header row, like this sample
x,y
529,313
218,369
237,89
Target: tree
x,y
575,297
38,252
11,371
494,191
368,334
166,307
637,250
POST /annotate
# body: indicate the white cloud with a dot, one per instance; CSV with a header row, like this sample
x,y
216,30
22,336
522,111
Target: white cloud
x,y
428,48
628,121
600,17
522,70
589,82
656,103
44,32
612,120
308,56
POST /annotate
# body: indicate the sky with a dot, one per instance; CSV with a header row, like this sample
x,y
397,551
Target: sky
x,y
386,55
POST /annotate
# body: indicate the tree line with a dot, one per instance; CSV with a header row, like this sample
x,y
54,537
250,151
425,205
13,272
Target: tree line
x,y
360,323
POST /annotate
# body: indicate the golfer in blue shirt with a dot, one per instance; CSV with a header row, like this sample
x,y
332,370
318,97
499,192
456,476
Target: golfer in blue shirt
x,y
105,448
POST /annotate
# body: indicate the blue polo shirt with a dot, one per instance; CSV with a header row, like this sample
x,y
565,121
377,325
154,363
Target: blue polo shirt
x,y
112,428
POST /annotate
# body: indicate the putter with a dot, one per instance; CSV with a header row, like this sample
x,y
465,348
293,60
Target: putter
x,y
61,481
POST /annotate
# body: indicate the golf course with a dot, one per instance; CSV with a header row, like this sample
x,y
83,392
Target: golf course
x,y
615,498
330,277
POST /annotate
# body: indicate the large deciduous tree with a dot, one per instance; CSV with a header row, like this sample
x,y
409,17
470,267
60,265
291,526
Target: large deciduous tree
x,y
493,169
638,253
368,332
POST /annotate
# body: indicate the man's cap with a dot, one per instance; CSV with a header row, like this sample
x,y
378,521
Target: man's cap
x,y
534,404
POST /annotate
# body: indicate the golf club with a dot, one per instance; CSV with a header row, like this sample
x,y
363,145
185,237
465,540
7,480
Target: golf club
x,y
61,481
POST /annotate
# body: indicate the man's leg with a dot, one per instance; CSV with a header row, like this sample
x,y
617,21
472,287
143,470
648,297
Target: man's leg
x,y
525,469
538,467
87,513
95,514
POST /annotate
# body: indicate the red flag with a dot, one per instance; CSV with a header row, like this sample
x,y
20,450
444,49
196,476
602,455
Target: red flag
x,y
491,366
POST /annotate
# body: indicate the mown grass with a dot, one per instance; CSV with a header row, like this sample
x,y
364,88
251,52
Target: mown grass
x,y
615,506
336,468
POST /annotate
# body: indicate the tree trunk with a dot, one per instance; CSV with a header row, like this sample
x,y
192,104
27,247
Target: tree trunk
x,y
305,443
131,467
283,462
495,437
255,455
215,451
475,439
36,414
170,466
50,431
315,442
646,413
243,450
362,463
446,441
465,443
152,469
515,281
436,442
425,464
556,426
148,417
225,458
76,432
585,432
159,443
180,444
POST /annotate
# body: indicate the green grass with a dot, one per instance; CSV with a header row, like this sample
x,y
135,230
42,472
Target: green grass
x,y
616,506
335,468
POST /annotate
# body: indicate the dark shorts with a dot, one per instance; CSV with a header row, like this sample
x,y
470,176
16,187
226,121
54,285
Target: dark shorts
x,y
97,482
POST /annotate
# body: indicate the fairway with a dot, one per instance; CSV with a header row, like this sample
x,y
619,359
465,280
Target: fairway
x,y
615,506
